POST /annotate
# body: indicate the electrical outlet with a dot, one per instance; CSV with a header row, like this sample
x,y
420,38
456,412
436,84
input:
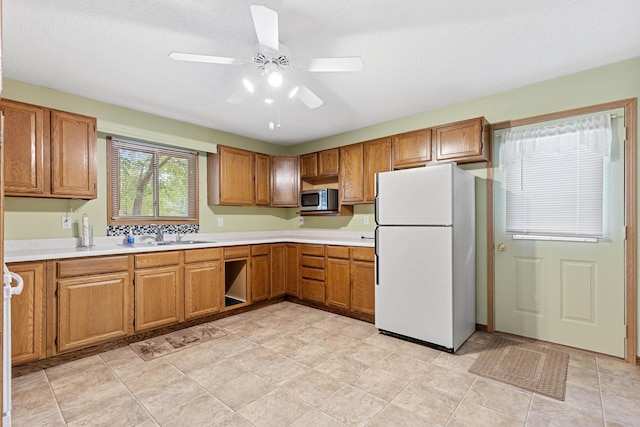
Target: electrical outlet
x,y
220,222
66,222
301,220
366,219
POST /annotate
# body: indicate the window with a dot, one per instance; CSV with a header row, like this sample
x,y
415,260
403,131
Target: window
x,y
554,178
150,183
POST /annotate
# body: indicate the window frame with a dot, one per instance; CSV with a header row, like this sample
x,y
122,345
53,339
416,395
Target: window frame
x,y
111,187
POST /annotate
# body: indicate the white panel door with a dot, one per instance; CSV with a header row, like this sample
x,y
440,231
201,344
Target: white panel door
x,y
413,294
420,196
566,292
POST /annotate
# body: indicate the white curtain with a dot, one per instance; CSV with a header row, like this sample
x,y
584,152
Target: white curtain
x,y
554,178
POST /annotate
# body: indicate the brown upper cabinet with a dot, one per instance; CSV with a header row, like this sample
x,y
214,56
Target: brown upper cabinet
x,y
230,177
262,175
358,165
48,153
463,142
285,181
320,164
377,158
411,149
351,174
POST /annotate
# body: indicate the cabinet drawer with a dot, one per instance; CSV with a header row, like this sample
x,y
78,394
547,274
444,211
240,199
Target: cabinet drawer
x,y
363,254
315,250
338,252
312,273
232,252
157,259
312,290
197,255
260,250
90,266
312,261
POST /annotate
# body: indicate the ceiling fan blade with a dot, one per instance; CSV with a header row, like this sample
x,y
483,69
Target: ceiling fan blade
x,y
192,57
351,63
309,98
266,22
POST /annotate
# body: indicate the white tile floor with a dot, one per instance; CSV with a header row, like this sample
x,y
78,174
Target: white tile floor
x,y
288,364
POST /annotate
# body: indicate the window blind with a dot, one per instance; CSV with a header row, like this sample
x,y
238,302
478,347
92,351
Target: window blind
x,y
554,178
151,182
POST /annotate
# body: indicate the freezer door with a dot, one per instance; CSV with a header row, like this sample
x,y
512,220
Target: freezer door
x,y
413,294
420,196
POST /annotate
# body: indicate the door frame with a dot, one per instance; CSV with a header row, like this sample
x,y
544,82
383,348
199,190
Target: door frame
x,y
630,179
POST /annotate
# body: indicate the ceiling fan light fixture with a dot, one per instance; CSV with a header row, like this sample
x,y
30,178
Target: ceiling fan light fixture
x,y
269,101
271,126
293,92
275,79
248,85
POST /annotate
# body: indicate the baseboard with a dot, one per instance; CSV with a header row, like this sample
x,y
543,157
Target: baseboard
x,y
482,328
638,361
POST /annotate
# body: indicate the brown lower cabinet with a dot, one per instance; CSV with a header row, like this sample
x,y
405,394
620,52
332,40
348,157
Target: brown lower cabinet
x,y
158,295
260,272
312,272
363,280
76,303
203,282
338,277
94,300
28,314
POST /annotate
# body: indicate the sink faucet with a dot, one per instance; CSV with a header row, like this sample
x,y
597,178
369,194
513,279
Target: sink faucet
x,y
159,234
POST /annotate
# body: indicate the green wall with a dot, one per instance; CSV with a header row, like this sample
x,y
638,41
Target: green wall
x,y
28,218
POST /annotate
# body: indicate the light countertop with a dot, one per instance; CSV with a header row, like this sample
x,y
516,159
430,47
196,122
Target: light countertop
x,y
44,249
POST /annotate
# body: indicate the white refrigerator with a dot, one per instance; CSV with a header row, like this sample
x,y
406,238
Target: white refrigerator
x,y
425,255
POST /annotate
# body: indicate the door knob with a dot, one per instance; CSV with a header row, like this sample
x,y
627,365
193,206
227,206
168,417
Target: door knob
x,y
502,247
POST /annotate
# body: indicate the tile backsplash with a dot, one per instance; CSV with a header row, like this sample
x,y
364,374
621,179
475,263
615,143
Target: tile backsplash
x,y
150,230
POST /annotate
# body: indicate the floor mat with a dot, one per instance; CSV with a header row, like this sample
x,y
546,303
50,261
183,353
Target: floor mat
x,y
170,343
527,366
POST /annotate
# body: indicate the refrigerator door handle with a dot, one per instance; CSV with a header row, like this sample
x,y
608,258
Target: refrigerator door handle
x,y
377,260
375,202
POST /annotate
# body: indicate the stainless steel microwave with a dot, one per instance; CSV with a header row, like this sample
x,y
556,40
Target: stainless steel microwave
x,y
321,199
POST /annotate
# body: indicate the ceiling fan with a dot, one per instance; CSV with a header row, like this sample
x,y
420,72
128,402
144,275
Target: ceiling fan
x,y
273,60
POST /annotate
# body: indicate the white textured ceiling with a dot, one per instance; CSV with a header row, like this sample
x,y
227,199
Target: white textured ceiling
x,y
418,55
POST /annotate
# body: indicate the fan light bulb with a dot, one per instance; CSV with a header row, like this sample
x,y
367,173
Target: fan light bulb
x,y
247,84
269,101
271,126
293,92
275,79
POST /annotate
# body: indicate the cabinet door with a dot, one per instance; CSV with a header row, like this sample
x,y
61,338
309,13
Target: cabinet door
x,y
23,139
328,162
263,179
203,283
293,269
260,277
157,297
377,158
285,182
462,141
309,165
28,314
351,174
73,155
363,287
278,269
411,149
236,176
93,309
337,283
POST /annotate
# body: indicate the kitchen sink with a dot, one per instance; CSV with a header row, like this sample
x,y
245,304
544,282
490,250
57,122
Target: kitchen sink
x,y
173,242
